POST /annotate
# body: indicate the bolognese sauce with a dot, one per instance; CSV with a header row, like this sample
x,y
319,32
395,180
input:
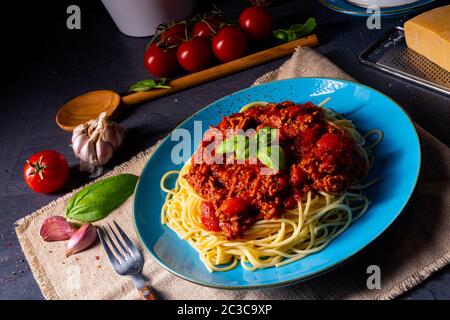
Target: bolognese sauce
x,y
318,157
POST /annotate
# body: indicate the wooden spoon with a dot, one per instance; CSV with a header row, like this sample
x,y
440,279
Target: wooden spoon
x,y
89,105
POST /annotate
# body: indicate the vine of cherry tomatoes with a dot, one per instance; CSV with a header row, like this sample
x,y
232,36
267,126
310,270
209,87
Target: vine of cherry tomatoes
x,y
193,45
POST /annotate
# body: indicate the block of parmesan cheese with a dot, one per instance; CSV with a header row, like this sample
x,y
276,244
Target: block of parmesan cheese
x,y
429,35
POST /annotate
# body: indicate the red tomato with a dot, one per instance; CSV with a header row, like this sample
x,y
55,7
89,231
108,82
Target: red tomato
x,y
309,136
209,218
335,143
160,62
207,28
174,34
229,44
256,23
298,176
233,206
46,171
194,55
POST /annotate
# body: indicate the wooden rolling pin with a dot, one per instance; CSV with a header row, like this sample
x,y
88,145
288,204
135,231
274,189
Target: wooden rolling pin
x,y
89,105
222,70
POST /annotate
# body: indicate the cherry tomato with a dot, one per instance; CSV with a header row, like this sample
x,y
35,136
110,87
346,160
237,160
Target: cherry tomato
x,y
309,136
160,62
229,44
174,34
209,218
207,28
46,171
298,176
194,55
335,143
256,23
234,206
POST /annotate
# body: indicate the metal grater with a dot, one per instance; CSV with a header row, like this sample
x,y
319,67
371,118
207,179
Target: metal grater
x,y
391,55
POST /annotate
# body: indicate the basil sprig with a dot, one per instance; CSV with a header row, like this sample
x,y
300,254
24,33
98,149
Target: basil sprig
x,y
242,150
271,155
96,201
148,84
296,31
265,156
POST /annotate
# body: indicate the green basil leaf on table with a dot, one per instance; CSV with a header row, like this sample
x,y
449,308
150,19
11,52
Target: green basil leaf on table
x,y
96,201
148,84
306,28
296,27
296,31
281,34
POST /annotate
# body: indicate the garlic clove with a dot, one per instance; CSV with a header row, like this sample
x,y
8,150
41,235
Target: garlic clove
x,y
78,143
76,133
104,151
114,135
81,239
120,133
88,153
56,228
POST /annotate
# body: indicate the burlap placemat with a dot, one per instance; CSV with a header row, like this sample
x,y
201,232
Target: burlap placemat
x,y
415,247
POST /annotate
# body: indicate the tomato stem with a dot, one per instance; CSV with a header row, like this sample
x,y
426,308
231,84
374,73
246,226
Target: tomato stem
x,y
216,10
38,168
213,32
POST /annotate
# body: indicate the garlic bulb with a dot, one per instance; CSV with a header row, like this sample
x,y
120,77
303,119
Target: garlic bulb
x,y
95,141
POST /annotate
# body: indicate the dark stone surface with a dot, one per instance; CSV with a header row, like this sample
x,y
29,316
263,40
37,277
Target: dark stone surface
x,y
46,64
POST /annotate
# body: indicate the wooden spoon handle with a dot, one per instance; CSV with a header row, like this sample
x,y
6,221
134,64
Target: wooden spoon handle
x,y
147,293
221,70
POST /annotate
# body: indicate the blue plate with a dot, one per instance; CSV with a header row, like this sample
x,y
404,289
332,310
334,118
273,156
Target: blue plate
x,y
346,7
397,165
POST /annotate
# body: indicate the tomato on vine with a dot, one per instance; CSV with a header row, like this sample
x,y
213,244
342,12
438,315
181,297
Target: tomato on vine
x,y
174,34
229,44
195,54
208,27
160,61
256,23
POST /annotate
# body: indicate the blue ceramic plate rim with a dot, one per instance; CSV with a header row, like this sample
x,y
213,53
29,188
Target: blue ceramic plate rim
x,y
312,274
355,10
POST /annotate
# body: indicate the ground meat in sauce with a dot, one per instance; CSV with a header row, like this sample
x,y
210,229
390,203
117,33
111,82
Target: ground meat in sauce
x,y
318,158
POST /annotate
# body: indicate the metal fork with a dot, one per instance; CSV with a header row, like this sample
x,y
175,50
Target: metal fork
x,y
128,261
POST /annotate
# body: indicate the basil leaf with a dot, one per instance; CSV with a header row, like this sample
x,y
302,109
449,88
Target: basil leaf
x,y
242,147
263,137
266,135
278,164
267,157
148,84
281,34
296,27
96,201
306,28
226,146
296,31
292,37
252,146
264,157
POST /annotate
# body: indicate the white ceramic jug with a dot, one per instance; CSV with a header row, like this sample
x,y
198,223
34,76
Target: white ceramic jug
x,y
139,18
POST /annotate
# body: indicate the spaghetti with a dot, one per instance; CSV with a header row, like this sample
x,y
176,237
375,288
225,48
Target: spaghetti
x,y
317,217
